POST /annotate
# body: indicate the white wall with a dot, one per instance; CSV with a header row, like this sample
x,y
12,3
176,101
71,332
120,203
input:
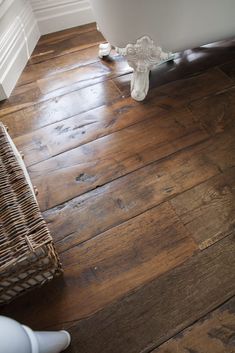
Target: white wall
x,y
18,36
21,24
55,15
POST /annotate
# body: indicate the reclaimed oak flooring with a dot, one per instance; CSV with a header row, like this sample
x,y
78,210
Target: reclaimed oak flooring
x,y
139,197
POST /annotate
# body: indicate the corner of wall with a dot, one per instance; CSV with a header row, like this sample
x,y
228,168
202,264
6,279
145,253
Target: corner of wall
x,y
21,24
56,15
19,34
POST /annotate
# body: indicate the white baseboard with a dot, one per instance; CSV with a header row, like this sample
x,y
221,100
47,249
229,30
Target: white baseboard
x,y
22,22
17,41
56,15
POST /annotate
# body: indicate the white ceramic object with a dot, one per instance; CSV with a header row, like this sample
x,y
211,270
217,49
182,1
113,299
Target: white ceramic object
x,y
142,56
169,25
17,338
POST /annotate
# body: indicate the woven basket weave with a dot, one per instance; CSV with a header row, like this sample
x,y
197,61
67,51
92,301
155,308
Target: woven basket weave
x,y
27,254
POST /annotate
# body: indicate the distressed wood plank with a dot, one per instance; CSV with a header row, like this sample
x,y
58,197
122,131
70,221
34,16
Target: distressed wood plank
x,y
109,266
103,160
183,89
215,113
83,128
229,68
60,108
208,210
168,96
56,85
60,64
80,175
155,312
132,267
65,45
85,75
215,333
221,150
66,34
87,215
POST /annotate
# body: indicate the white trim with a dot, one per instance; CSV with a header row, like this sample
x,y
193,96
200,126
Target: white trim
x,y
4,5
16,44
56,15
2,93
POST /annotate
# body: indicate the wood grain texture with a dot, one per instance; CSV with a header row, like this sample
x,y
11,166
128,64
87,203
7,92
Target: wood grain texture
x,y
47,68
114,263
63,45
229,69
186,89
87,215
95,163
83,76
59,108
66,33
208,210
46,91
83,128
155,312
139,196
216,112
215,333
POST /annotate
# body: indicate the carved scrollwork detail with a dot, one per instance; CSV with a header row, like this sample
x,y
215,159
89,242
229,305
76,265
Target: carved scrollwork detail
x,y
142,56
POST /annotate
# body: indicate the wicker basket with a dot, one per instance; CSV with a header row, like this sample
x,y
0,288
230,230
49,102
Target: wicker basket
x,y
27,254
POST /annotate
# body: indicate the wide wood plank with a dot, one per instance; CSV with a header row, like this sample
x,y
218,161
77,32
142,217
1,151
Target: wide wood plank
x,y
229,69
216,112
83,128
60,108
139,196
208,210
152,314
87,215
150,105
85,75
83,171
65,45
61,83
166,97
66,33
59,64
212,334
101,161
221,150
184,88
109,266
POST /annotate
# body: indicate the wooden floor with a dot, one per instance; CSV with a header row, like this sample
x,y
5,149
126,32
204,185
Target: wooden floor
x,y
139,197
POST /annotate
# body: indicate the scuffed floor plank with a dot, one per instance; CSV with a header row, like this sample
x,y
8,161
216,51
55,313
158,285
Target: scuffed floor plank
x,y
114,263
105,207
60,108
216,112
215,333
48,49
131,191
155,312
208,210
103,160
84,128
229,69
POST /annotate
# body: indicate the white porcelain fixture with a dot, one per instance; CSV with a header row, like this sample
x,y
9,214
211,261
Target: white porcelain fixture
x,y
17,338
148,31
